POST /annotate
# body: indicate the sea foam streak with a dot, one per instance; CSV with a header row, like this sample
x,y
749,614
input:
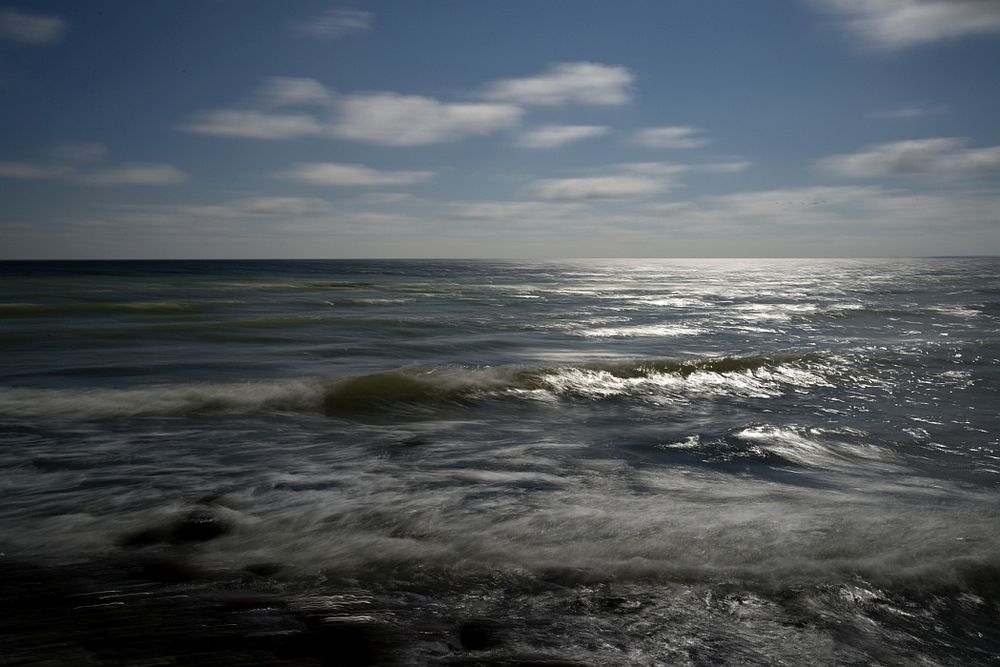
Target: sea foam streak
x,y
493,517
166,308
815,446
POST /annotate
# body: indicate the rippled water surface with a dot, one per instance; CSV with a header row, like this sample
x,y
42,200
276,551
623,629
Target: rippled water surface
x,y
576,462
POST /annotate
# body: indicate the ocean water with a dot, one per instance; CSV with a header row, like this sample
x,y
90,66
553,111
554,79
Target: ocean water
x,y
597,462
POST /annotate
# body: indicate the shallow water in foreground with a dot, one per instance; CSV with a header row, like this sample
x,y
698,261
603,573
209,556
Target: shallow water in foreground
x,y
579,462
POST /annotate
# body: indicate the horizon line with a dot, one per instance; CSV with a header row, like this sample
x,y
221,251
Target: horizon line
x,y
470,259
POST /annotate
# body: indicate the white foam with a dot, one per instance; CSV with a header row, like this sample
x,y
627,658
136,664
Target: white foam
x,y
656,386
811,446
642,330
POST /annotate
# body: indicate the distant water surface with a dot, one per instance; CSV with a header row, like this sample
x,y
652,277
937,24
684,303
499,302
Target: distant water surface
x,y
600,462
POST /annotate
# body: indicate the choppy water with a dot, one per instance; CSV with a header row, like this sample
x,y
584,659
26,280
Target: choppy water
x,y
599,462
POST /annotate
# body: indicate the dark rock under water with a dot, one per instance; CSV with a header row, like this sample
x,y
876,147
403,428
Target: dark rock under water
x,y
118,613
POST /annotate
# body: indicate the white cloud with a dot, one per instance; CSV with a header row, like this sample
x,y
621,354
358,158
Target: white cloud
x,y
944,156
553,136
409,120
561,83
283,91
911,111
388,119
595,187
251,124
335,23
669,137
674,169
135,174
31,28
897,24
336,174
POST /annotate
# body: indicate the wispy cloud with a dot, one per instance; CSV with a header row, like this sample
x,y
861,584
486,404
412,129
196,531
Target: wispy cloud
x,y
135,174
335,23
337,174
253,124
898,24
595,187
85,151
257,207
911,111
562,83
721,167
29,171
824,220
285,91
625,180
270,218
673,169
76,165
31,28
665,170
512,211
391,119
268,117
945,156
383,198
553,136
670,137
823,210
803,205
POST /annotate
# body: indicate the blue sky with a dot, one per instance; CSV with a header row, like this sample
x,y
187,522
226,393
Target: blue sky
x,y
481,128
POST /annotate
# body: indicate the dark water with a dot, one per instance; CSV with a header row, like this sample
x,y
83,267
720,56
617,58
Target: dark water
x,y
584,462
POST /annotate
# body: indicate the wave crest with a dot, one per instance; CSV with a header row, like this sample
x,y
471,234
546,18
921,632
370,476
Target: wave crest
x,y
659,380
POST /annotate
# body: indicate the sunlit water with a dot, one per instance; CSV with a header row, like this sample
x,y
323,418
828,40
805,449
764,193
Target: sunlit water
x,y
612,462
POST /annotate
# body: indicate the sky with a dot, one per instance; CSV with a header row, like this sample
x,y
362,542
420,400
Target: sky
x,y
499,128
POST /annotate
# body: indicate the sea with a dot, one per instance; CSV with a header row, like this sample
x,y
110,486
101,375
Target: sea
x,y
567,462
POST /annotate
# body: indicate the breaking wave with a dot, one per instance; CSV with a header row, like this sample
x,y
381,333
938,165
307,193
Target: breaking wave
x,y
656,380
